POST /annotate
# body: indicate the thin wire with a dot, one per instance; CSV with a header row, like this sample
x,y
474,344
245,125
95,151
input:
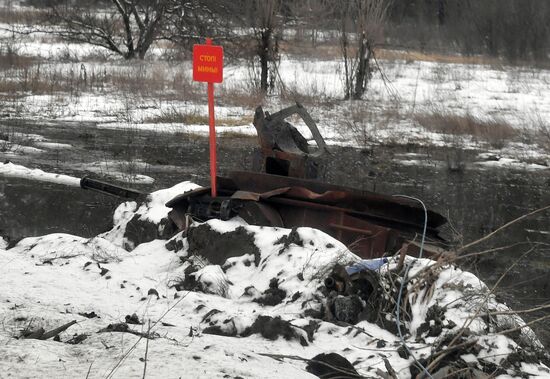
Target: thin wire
x,y
404,281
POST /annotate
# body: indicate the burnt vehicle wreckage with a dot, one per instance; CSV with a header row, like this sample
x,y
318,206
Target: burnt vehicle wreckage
x,y
284,190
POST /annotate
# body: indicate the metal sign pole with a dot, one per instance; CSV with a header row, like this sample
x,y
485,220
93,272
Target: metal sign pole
x,y
208,67
213,158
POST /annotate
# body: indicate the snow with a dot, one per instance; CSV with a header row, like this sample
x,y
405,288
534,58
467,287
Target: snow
x,y
513,163
50,280
153,210
54,145
18,171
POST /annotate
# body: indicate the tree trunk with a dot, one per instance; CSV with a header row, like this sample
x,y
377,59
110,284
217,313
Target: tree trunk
x,y
363,69
142,50
130,54
441,12
264,59
347,78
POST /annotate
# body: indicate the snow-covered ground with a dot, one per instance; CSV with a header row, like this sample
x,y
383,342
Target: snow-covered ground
x,y
212,329
209,330
86,84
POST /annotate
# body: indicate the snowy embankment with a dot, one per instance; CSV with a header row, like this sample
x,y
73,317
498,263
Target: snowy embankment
x,y
17,171
234,300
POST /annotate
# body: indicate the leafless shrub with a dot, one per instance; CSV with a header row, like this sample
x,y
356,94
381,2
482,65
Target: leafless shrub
x,y
541,131
311,94
10,57
493,131
12,141
362,30
22,16
365,122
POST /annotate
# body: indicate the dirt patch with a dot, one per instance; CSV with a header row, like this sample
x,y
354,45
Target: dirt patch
x,y
217,247
273,295
273,327
140,231
291,238
331,365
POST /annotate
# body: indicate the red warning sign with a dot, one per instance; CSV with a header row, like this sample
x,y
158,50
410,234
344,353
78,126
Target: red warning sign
x,y
208,63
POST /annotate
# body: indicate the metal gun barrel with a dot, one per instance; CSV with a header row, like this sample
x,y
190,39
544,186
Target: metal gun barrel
x,y
111,189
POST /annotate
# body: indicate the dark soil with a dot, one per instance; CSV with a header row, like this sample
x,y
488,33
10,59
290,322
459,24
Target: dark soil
x,y
331,365
273,295
273,327
217,247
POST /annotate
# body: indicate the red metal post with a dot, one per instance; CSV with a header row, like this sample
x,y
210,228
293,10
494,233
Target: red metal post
x,y
213,159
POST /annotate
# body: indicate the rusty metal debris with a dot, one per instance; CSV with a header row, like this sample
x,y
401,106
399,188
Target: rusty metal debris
x,y
283,195
283,150
370,224
284,192
110,189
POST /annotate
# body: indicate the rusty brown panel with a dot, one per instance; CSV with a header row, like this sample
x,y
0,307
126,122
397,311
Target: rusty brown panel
x,y
402,225
379,205
363,238
178,218
256,213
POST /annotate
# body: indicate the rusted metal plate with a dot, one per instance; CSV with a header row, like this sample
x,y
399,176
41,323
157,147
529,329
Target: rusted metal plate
x,y
367,203
284,194
355,218
284,151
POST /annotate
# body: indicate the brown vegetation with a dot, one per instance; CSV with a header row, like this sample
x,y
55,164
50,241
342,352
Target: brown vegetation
x,y
494,131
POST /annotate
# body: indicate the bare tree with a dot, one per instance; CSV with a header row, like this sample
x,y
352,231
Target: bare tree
x,y
265,20
312,16
362,25
126,27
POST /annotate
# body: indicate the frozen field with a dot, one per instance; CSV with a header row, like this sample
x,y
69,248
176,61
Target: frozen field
x,y
75,82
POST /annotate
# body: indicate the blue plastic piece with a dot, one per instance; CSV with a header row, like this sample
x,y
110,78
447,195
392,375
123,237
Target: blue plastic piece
x,y
366,264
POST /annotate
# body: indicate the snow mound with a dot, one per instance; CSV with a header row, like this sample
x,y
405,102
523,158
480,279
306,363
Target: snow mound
x,y
134,225
235,300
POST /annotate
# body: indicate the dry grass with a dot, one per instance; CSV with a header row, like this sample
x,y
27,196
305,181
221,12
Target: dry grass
x,y
363,122
321,51
9,58
193,118
540,132
234,135
245,97
29,81
495,62
24,16
493,131
411,56
175,116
